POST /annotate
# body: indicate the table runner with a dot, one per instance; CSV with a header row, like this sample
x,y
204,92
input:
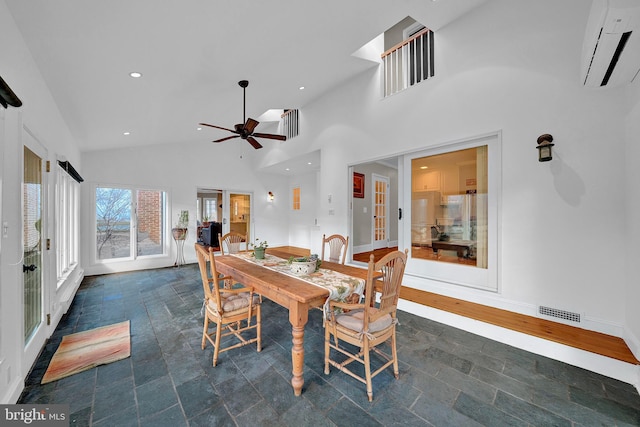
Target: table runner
x,y
339,285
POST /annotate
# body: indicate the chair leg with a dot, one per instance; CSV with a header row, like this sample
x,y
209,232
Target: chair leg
x,y
259,328
367,369
327,337
394,353
205,331
216,346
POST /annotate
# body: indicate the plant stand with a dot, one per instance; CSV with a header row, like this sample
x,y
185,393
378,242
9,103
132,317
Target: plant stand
x,y
179,235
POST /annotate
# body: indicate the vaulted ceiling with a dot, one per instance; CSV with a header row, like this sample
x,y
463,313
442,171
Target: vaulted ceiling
x,y
192,53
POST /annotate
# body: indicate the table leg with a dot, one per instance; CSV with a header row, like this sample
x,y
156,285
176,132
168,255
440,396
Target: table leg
x,y
298,316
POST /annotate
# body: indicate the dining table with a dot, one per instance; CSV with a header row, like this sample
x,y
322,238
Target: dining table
x,y
293,293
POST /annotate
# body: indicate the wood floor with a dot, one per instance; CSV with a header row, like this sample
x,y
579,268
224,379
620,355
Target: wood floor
x,y
595,342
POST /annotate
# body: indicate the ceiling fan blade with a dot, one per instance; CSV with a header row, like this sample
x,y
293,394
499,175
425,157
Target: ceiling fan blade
x,y
250,125
218,127
270,136
253,142
229,137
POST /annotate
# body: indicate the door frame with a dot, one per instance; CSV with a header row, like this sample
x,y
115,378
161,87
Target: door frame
x,y
226,212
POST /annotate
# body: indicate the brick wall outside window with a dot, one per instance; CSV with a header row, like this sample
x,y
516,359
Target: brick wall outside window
x,y
150,214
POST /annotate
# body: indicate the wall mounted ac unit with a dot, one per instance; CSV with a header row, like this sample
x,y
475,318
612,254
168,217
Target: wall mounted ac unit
x,y
611,50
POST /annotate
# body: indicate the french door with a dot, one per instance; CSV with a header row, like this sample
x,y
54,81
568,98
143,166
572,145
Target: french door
x,y
380,201
35,294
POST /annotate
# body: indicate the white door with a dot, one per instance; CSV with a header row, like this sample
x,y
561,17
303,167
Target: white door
x,y
35,295
380,209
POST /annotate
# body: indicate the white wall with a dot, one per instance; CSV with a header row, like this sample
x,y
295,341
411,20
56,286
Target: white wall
x,y
563,223
303,227
180,171
632,221
39,116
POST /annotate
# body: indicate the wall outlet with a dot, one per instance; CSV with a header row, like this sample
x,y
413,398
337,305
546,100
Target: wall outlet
x,y
364,209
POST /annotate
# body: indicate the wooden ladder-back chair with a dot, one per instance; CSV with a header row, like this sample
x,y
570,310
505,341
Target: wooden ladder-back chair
x,y
227,308
366,326
234,241
337,247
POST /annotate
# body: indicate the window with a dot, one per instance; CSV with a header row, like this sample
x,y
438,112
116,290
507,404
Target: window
x,y
289,124
67,192
448,207
129,223
210,209
296,199
453,205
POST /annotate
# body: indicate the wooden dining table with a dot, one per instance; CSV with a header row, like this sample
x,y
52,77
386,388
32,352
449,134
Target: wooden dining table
x,y
297,295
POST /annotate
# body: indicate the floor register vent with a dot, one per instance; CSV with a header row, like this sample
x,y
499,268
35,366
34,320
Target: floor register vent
x,y
560,314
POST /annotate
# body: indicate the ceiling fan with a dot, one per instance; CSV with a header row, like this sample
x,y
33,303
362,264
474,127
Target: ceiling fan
x,y
245,130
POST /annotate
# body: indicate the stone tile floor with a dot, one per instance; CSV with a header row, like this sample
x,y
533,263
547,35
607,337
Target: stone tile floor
x,y
448,377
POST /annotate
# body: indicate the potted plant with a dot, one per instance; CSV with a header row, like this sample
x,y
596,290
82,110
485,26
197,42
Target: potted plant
x,y
180,230
205,221
259,248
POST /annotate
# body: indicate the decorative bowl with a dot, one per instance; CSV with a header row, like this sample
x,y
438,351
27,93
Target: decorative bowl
x,y
303,267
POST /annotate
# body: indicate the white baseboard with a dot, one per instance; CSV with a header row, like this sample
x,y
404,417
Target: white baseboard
x,y
12,393
633,342
362,248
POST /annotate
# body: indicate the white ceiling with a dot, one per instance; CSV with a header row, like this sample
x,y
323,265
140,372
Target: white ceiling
x,y
192,53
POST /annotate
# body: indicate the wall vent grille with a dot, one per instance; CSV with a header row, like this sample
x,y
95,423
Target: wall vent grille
x,y
560,314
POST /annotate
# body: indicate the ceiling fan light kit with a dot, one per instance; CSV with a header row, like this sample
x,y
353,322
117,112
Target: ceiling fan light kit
x,y
245,129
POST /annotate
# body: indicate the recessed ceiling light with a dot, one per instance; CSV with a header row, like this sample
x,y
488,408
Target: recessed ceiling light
x,y
309,163
287,169
127,133
424,167
198,128
135,74
301,87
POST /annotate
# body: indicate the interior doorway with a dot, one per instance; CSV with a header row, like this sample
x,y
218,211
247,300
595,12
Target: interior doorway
x,y
223,211
375,215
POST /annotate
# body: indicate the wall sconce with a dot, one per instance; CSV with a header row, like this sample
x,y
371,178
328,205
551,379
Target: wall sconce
x,y
270,197
545,142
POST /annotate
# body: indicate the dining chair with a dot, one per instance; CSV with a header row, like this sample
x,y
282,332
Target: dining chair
x,y
234,241
366,326
229,309
337,247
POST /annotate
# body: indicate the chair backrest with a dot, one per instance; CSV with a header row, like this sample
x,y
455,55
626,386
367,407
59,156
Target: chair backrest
x,y
392,268
337,247
210,281
234,241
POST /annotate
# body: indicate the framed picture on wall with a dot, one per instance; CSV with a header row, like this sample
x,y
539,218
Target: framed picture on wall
x,y
358,185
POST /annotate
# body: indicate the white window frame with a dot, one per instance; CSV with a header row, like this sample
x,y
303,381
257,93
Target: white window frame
x,y
67,228
166,236
458,274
